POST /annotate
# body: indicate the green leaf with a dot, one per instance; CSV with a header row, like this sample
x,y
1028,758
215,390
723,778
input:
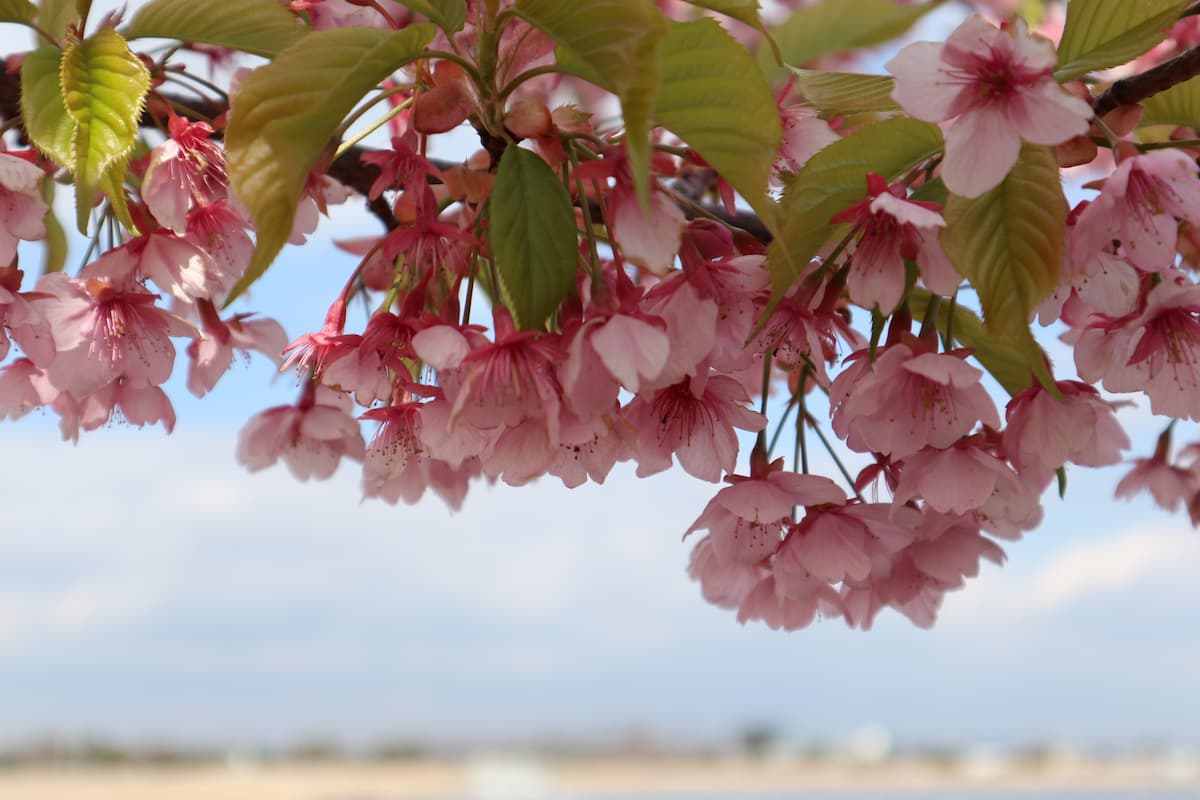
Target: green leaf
x,y
1179,105
56,237
711,88
285,113
837,94
533,237
744,11
261,27
1008,243
834,26
617,42
449,15
836,178
45,116
1007,363
104,86
1107,33
20,11
54,16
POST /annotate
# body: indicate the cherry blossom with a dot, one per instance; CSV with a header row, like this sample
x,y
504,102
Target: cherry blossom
x,y
22,209
312,437
998,88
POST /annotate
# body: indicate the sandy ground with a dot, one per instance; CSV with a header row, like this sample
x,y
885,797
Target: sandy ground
x,y
510,779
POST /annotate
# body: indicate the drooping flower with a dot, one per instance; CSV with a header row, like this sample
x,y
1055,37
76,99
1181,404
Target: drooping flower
x,y
102,332
1138,207
312,437
908,399
895,228
22,319
210,357
1045,432
22,209
998,87
694,420
746,519
185,171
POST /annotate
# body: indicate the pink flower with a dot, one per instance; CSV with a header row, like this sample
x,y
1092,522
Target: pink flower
x,y
220,231
842,543
998,87
1044,432
908,400
311,437
804,135
22,209
21,384
397,467
210,357
694,420
746,519
102,332
1139,206
137,403
953,480
186,170
174,263
791,605
1157,351
649,238
21,317
723,584
895,228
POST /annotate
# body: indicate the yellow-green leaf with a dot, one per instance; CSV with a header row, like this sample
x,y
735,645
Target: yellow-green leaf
x,y
837,94
45,116
54,16
533,237
834,26
617,42
746,12
1009,364
1106,33
20,11
1008,244
56,237
1179,105
836,178
285,113
104,86
449,15
711,90
261,27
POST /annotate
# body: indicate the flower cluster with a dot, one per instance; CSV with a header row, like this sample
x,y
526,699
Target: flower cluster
x,y
681,332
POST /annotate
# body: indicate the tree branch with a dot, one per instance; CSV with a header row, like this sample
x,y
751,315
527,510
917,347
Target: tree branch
x,y
1145,85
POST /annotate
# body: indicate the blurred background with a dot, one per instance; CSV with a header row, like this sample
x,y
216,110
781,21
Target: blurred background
x,y
171,626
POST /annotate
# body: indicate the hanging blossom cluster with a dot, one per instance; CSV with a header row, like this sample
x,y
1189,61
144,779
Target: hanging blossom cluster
x,y
672,333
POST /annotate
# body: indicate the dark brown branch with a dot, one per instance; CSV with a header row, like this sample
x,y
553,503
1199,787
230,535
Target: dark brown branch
x,y
1145,85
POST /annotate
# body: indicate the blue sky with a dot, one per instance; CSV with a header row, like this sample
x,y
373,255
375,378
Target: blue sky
x,y
150,588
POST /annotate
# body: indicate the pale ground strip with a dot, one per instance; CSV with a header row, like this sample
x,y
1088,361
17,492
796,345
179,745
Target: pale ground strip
x,y
599,778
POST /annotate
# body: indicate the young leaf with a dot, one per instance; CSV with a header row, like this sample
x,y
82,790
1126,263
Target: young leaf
x,y
45,116
1008,244
55,15
1179,105
56,237
103,87
449,15
533,237
711,89
1106,33
285,113
261,27
20,11
834,26
617,42
838,94
834,179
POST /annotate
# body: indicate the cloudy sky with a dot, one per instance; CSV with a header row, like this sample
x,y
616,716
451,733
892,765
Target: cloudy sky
x,y
149,588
